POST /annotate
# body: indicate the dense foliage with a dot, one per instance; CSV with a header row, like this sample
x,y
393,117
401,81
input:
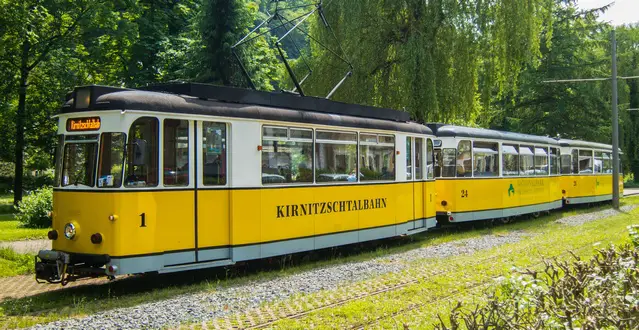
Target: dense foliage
x,y
600,293
469,62
34,211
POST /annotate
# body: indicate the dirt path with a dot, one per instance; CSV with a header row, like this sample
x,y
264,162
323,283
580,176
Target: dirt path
x,y
28,246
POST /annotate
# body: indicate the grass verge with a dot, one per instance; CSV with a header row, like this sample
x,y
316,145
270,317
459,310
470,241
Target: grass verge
x,y
136,290
10,230
12,263
418,306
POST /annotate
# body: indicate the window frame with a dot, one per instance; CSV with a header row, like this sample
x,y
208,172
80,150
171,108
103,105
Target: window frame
x,y
189,144
159,137
377,143
99,164
472,160
287,139
200,157
494,153
516,155
340,142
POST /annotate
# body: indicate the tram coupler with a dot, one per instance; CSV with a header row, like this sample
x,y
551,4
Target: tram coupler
x,y
51,266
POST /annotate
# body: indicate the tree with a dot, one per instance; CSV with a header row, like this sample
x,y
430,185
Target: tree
x,y
576,47
442,60
222,23
628,58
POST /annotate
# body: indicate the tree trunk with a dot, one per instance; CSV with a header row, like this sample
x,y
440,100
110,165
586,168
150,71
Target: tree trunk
x,y
22,100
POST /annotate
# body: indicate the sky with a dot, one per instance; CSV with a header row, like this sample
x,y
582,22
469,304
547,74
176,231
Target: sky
x,y
621,12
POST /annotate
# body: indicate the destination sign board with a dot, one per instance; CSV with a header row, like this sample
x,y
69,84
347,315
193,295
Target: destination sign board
x,y
83,124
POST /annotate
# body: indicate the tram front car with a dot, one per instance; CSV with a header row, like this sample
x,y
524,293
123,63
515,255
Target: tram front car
x,y
87,232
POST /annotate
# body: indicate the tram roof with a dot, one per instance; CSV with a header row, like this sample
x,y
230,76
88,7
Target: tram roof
x,y
444,130
584,144
219,101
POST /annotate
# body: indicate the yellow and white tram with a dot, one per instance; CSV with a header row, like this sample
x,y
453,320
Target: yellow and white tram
x,y
587,172
487,174
195,176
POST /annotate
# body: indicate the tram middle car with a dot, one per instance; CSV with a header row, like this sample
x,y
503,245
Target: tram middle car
x,y
200,176
486,174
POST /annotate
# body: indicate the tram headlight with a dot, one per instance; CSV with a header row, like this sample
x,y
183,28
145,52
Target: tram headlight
x,y
69,230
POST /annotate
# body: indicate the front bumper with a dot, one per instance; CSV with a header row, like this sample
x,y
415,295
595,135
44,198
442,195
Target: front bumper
x,y
62,267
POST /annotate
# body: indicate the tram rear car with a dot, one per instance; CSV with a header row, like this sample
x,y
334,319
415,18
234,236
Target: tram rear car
x,y
157,182
587,172
486,174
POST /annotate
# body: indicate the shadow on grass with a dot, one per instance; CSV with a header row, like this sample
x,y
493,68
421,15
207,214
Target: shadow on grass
x,y
132,290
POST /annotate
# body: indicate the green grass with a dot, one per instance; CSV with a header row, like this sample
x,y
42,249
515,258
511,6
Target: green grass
x,y
465,278
12,263
10,230
135,290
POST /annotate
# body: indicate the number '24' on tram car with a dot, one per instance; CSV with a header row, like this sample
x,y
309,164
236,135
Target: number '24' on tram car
x,y
190,176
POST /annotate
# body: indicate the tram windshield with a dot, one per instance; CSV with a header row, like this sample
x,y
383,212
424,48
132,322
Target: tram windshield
x,y
78,165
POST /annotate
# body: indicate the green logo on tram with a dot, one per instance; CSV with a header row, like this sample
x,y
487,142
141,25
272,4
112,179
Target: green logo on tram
x,y
511,189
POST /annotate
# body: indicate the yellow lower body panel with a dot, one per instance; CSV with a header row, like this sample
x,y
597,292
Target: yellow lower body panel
x,y
152,230
588,188
468,199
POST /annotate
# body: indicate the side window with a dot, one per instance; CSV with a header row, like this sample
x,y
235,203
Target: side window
x,y
287,155
449,162
419,158
566,164
541,161
176,152
575,161
142,154
554,161
464,159
111,160
526,162
335,156
214,154
607,162
437,154
585,161
377,157
485,159
510,160
409,158
599,162
429,160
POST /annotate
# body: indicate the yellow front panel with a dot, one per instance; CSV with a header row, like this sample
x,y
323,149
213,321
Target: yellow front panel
x,y
463,195
168,221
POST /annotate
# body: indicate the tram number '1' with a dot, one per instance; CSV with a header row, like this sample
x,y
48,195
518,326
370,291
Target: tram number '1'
x,y
464,193
143,219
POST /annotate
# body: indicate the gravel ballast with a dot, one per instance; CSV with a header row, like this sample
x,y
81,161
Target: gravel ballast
x,y
580,219
200,307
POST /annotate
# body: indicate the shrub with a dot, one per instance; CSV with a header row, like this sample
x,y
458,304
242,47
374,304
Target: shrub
x,y
600,293
34,209
633,231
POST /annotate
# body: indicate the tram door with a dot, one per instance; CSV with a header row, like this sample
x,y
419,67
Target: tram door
x,y
212,193
417,175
